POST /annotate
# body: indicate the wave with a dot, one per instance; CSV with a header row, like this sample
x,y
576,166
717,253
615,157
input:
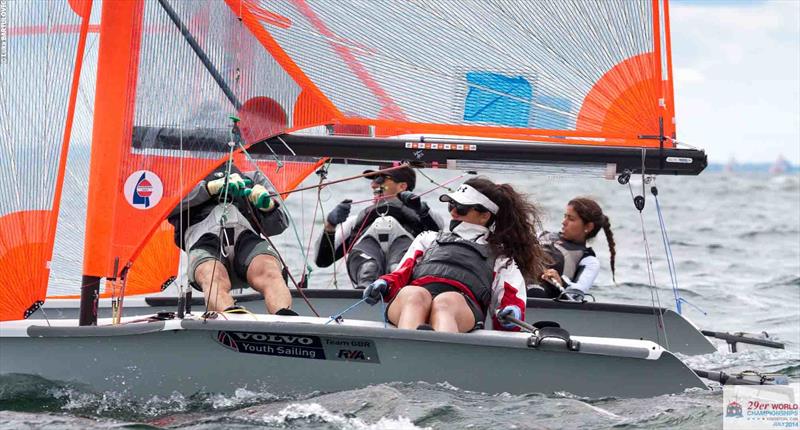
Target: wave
x,y
771,231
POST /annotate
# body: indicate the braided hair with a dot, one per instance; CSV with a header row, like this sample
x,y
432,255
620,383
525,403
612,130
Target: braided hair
x,y
589,211
515,226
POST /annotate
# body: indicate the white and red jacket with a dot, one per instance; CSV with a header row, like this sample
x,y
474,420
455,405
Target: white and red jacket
x,y
508,285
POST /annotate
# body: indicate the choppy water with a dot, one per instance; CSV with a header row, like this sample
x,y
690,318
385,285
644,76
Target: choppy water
x,y
736,245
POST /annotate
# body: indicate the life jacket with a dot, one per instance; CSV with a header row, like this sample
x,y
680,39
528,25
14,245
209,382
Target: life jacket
x,y
463,260
565,254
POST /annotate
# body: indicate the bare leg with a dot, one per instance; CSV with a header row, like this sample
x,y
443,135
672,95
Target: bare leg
x,y
213,279
264,275
411,307
451,313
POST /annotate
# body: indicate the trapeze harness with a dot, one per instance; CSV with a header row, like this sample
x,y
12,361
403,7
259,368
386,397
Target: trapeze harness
x,y
470,263
390,221
232,224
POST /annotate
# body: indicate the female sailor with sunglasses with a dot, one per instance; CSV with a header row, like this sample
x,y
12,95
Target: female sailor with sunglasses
x,y
463,279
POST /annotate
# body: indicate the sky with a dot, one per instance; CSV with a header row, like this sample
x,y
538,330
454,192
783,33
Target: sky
x,y
736,67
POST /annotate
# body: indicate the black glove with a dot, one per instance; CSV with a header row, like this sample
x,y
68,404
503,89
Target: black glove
x,y
413,202
375,292
340,212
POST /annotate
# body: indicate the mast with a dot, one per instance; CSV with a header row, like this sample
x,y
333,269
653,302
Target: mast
x,y
120,32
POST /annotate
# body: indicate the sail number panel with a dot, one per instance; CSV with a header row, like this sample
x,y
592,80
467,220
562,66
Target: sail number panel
x,y
300,346
442,146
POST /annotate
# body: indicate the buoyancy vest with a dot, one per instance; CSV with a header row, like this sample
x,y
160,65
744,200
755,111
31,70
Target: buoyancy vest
x,y
463,260
565,254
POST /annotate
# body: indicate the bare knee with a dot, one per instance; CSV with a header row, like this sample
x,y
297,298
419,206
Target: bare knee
x,y
415,296
212,272
264,269
446,302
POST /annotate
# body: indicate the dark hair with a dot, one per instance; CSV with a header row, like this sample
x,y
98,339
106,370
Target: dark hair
x,y
515,226
590,211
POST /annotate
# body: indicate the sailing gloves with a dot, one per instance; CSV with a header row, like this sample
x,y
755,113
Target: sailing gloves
x,y
340,212
509,311
259,196
235,184
376,292
413,202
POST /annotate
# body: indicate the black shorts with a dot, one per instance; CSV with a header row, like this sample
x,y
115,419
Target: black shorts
x,y
437,288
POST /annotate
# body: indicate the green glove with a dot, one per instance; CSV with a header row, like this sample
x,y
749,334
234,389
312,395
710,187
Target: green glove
x,y
259,196
236,185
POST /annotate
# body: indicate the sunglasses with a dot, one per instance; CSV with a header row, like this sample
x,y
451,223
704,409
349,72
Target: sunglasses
x,y
464,209
380,179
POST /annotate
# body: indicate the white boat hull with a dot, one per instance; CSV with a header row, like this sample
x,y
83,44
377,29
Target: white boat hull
x,y
675,333
285,355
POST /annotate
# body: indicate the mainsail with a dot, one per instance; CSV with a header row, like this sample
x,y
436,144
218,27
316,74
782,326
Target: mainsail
x,y
514,81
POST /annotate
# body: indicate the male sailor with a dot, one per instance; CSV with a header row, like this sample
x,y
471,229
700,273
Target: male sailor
x,y
374,240
221,225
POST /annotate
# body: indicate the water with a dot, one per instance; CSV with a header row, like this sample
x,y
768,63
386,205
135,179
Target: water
x,y
736,245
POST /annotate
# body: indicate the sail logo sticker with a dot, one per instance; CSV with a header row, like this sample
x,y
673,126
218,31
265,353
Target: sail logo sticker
x,y
300,346
143,189
278,344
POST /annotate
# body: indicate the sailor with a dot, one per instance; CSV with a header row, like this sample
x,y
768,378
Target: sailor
x,y
470,276
573,266
374,240
220,225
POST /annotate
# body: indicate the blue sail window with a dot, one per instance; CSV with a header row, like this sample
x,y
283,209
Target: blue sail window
x,y
552,113
497,99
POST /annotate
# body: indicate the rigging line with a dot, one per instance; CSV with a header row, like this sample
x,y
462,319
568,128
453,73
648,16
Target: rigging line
x,y
213,289
280,257
275,156
673,275
212,70
276,196
656,311
280,200
442,185
334,282
649,256
348,178
335,317
183,285
306,268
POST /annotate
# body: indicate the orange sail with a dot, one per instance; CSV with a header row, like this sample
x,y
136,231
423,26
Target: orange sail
x,y
132,189
551,73
39,82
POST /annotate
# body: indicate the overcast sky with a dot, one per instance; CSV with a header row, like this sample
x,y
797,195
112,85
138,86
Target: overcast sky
x,y
737,77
